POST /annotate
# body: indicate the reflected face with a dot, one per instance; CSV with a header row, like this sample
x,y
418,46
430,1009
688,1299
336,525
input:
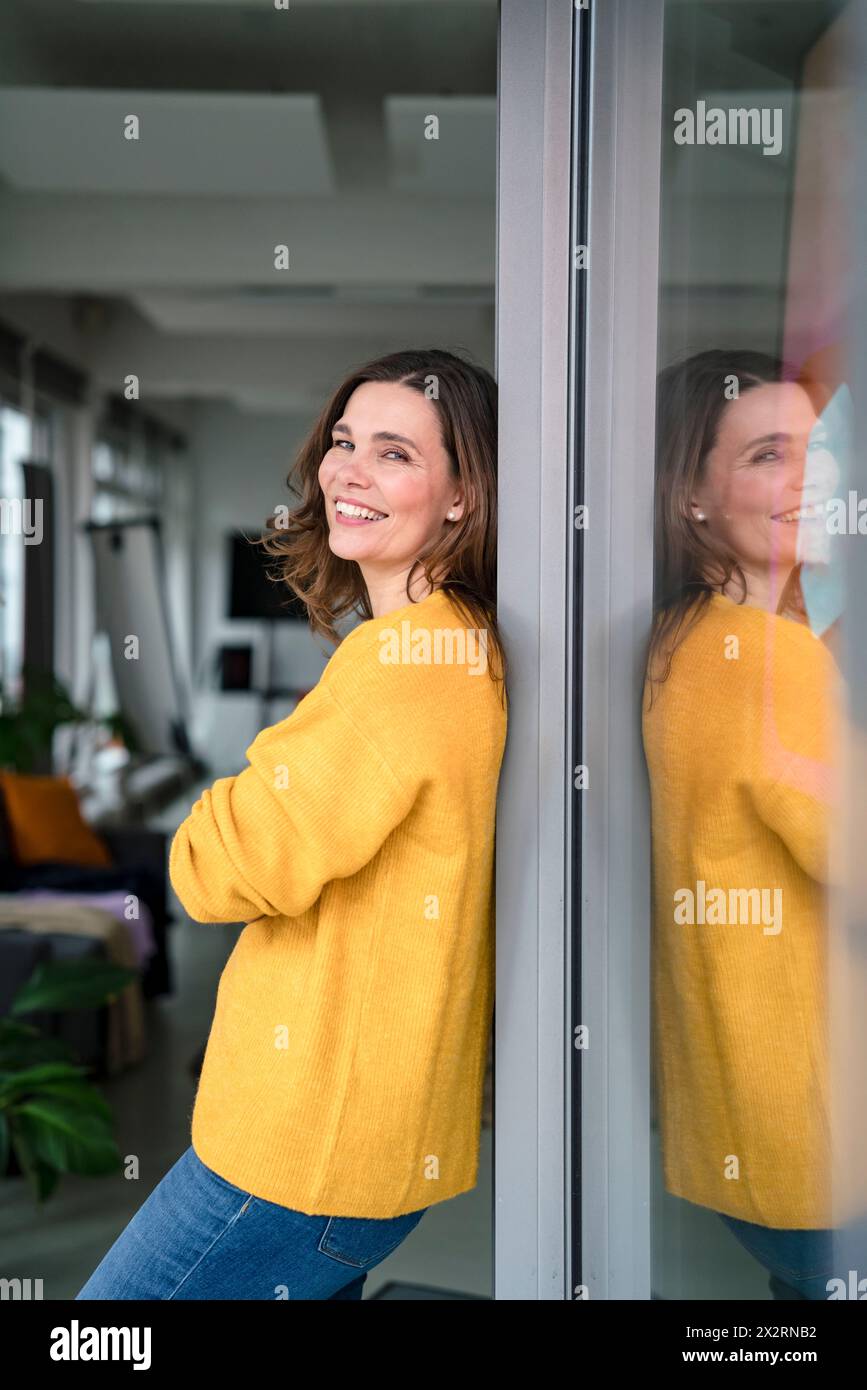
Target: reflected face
x,y
753,495
387,458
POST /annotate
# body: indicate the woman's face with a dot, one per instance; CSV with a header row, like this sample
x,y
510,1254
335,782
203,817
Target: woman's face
x,y
753,494
387,456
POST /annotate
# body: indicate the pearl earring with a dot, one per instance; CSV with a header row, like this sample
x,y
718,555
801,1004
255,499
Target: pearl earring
x,y
700,516
451,516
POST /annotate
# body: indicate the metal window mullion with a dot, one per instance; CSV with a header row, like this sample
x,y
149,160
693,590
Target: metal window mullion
x,y
619,395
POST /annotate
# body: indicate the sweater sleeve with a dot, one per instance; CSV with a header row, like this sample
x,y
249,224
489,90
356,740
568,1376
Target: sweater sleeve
x,y
317,802
793,784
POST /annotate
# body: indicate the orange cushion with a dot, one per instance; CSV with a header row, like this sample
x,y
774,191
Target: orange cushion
x,y
45,821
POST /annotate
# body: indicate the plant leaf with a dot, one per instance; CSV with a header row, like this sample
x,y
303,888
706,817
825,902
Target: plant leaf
x,y
60,1135
17,1053
42,1178
58,986
35,1078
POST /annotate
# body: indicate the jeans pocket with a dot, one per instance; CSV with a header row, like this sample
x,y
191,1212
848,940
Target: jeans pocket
x,y
363,1241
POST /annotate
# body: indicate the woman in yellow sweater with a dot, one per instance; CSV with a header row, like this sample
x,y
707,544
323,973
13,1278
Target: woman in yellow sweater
x,y
742,708
341,1091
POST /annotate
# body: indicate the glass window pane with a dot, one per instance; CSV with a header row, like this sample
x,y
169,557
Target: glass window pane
x,y
744,705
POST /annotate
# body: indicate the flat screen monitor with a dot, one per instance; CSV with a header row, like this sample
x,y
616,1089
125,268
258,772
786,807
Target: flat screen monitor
x,y
252,595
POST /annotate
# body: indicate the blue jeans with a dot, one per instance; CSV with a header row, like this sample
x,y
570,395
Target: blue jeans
x,y
801,1263
198,1237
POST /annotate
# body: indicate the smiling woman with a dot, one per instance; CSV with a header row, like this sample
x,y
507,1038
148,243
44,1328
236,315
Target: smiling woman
x,y
741,712
408,439
342,1086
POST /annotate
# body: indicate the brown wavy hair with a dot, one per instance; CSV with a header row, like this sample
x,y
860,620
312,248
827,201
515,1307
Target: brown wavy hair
x,y
465,554
689,564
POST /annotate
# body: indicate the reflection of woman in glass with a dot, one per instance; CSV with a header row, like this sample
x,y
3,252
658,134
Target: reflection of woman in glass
x,y
739,720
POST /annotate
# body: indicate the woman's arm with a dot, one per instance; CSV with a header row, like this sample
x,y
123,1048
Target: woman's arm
x,y
792,782
316,803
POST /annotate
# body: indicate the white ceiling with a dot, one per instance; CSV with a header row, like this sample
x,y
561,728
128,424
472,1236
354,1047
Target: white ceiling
x,y
462,159
259,128
63,140
286,5
306,127
328,312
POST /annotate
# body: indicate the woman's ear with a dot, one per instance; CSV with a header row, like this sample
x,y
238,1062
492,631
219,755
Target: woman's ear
x,y
698,512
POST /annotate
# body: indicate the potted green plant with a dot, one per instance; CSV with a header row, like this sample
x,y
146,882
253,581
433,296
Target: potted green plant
x,y
52,1120
27,726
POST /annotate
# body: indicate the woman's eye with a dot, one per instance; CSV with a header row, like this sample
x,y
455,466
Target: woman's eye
x,y
768,454
336,444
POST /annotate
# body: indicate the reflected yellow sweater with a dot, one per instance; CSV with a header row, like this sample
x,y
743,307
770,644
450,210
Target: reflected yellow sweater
x,y
740,749
344,1069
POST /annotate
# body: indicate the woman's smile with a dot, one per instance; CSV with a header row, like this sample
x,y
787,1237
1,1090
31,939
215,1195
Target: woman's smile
x,y
356,514
814,512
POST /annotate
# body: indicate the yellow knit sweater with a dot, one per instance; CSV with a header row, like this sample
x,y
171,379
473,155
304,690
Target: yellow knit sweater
x,y
344,1069
740,745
